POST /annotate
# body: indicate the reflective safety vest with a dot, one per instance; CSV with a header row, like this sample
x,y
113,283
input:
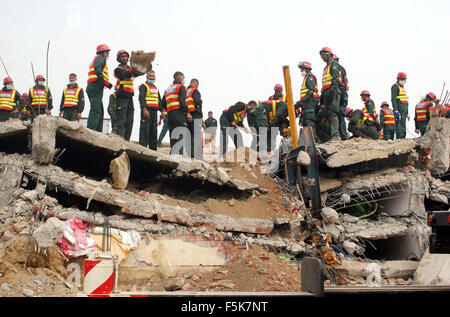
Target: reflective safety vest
x,y
326,78
272,115
421,111
92,76
172,98
7,99
71,96
190,99
402,95
304,90
389,117
282,98
151,98
238,116
127,84
38,96
341,81
367,116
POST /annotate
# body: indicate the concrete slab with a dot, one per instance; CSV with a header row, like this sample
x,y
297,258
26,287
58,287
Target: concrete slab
x,y
353,151
433,269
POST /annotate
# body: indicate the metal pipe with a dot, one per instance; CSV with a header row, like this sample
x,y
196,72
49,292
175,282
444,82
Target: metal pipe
x,y
290,103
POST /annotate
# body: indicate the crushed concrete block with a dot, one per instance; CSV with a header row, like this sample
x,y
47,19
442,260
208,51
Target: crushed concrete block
x,y
281,221
433,269
332,230
353,248
329,215
399,269
174,284
48,234
357,150
19,227
223,175
28,293
120,170
303,158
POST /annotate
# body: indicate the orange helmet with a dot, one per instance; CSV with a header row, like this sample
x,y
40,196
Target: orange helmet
x,y
401,76
432,96
305,65
103,48
348,110
40,77
7,80
278,86
384,103
365,93
326,50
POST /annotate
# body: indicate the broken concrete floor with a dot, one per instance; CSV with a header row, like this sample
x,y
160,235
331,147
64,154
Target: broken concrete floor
x,y
251,233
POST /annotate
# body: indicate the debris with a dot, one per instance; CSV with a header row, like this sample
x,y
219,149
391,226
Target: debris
x,y
28,293
374,275
223,283
329,215
174,283
120,170
48,234
303,158
142,61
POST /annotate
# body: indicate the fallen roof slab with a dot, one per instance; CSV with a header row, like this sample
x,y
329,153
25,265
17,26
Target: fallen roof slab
x,y
345,153
134,204
386,227
46,128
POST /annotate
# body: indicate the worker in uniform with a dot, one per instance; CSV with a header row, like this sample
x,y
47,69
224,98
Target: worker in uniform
x,y
194,103
400,104
423,113
343,103
72,100
363,123
124,90
178,116
387,121
98,79
9,100
40,98
210,131
164,129
150,100
309,98
331,94
278,89
323,127
231,119
25,114
252,123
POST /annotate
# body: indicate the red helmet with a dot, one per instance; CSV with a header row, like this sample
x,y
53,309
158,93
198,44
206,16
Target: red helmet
x,y
120,53
305,65
38,77
384,103
432,96
335,57
103,48
365,92
348,110
25,95
278,86
401,76
7,80
326,50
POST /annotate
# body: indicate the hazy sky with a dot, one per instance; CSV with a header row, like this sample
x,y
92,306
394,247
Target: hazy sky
x,y
235,48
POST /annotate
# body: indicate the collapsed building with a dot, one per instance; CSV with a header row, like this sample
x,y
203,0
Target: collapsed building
x,y
375,196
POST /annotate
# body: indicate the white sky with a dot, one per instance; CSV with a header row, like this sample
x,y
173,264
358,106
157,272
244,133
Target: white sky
x,y
235,48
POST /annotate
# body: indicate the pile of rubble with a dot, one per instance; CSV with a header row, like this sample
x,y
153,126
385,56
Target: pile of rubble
x,y
192,225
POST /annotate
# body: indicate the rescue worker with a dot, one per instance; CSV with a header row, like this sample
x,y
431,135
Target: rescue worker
x,y
164,128
331,94
276,114
343,103
210,131
387,121
423,113
72,100
194,103
323,124
25,112
358,127
9,100
230,121
40,98
112,111
124,90
98,79
278,93
178,116
309,98
400,104
150,100
252,123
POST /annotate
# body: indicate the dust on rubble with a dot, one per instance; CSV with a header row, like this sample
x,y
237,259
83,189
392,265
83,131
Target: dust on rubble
x,y
44,276
247,270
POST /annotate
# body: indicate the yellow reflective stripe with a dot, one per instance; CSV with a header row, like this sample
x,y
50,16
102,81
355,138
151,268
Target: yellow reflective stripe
x,y
38,99
8,101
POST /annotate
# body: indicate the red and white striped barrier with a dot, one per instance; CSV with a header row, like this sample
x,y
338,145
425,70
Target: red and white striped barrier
x,y
99,277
